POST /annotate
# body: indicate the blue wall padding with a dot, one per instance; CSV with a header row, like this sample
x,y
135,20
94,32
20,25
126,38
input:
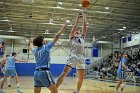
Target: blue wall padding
x,y
129,38
27,69
95,52
124,40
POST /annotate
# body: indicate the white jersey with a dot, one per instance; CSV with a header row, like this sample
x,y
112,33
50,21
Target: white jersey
x,y
77,45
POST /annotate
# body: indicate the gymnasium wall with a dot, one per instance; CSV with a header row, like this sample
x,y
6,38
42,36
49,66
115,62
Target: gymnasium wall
x,y
59,56
134,41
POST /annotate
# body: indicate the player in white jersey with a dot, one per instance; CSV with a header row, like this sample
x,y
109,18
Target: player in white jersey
x,y
76,57
3,70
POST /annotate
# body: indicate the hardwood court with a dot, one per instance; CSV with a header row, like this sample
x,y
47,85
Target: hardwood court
x,y
68,86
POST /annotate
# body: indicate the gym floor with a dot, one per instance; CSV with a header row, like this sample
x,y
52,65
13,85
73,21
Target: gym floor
x,y
68,86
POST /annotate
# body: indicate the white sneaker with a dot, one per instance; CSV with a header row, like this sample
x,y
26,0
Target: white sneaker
x,y
19,90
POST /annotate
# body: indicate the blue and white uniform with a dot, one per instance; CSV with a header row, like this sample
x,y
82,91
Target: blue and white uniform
x,y
76,57
42,75
120,71
10,67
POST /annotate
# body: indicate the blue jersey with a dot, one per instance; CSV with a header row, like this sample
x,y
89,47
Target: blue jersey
x,y
123,60
10,63
42,55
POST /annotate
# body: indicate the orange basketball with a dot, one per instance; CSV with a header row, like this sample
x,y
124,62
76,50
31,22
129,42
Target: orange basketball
x,y
85,3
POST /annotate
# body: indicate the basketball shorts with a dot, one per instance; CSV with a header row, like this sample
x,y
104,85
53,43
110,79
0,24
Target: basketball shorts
x,y
77,61
120,74
10,72
43,79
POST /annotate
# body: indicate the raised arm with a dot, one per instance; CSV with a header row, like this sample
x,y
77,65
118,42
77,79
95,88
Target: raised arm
x,y
74,27
19,60
31,44
59,33
84,28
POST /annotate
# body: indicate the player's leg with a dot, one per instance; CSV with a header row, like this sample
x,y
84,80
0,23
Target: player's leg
x,y
53,88
120,75
122,85
118,85
6,74
37,89
9,81
63,75
81,73
17,84
3,81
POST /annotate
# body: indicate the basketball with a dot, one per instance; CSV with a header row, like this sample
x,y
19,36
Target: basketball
x,y
85,3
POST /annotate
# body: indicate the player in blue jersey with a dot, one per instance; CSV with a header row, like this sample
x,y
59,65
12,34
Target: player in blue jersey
x,y
11,71
76,58
121,72
3,68
42,75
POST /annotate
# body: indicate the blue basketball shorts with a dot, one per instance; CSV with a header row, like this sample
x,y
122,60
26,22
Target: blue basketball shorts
x,y
120,74
43,79
10,72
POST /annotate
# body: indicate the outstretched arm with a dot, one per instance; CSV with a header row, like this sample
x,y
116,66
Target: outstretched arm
x,y
74,27
19,60
84,28
59,33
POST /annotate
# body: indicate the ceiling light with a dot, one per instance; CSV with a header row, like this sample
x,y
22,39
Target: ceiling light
x,y
59,7
1,30
46,32
50,21
118,32
120,29
11,30
80,5
124,27
103,37
77,9
62,34
106,8
60,3
67,21
6,20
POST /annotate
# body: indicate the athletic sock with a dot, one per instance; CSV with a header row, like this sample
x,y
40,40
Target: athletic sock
x,y
17,85
9,79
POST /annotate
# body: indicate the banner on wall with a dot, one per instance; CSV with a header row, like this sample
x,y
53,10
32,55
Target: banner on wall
x,y
95,51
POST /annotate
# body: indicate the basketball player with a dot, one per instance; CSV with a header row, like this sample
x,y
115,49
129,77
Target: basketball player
x,y
3,70
42,75
76,57
121,72
11,71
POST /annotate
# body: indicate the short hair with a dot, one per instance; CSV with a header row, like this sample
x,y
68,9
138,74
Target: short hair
x,y
38,41
14,53
7,55
123,54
